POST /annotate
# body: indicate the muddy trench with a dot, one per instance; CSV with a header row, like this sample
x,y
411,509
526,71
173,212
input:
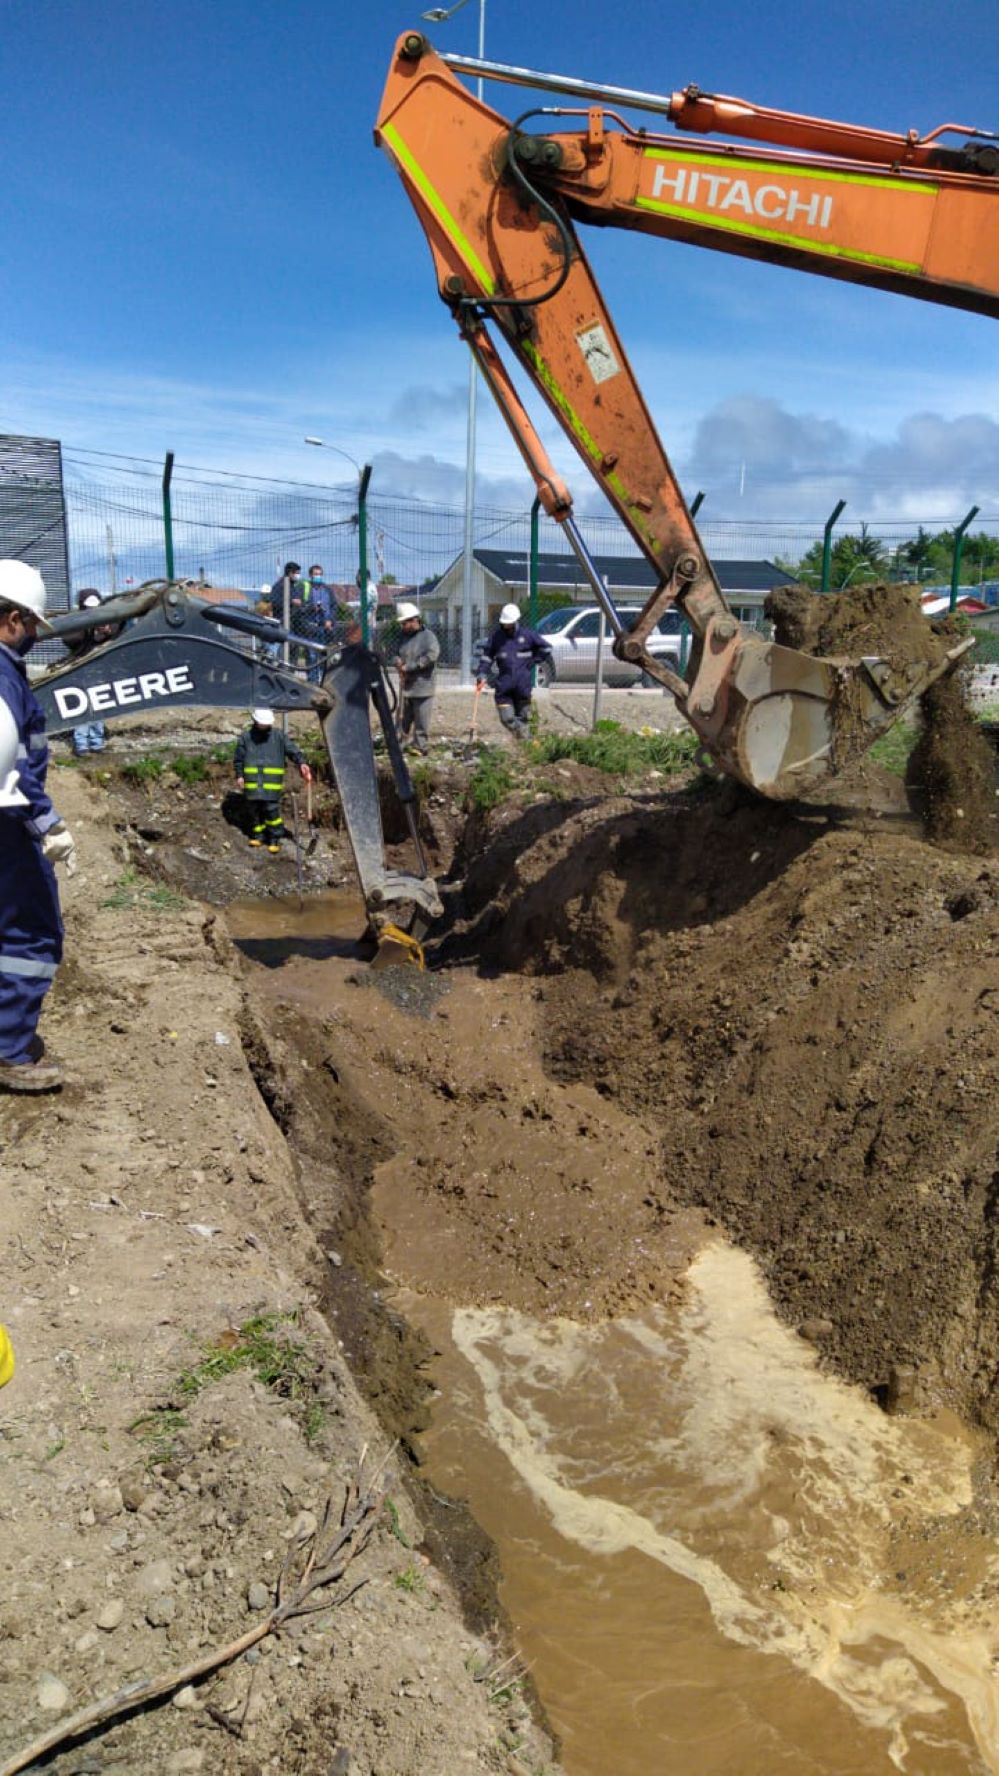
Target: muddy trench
x,y
680,1060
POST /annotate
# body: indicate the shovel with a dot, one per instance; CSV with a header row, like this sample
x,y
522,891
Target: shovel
x,y
313,823
470,745
298,853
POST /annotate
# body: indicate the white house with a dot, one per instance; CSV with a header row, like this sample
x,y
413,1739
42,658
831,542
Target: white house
x,y
499,576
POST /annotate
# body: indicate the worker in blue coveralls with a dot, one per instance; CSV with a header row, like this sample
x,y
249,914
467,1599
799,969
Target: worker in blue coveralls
x,y
506,661
32,839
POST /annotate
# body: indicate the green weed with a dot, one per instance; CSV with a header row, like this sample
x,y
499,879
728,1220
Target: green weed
x,y
893,749
617,750
143,770
492,780
395,1527
190,767
314,1422
277,1362
130,891
159,1432
409,1579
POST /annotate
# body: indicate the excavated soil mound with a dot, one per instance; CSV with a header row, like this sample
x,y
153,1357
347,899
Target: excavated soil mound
x,y
863,619
955,771
808,1007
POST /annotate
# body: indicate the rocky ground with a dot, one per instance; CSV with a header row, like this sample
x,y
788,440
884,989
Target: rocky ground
x,y
181,1410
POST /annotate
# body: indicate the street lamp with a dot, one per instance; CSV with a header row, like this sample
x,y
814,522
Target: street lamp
x,y
363,477
439,15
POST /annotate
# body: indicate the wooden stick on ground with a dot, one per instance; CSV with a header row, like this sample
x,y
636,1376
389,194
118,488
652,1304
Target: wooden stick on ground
x,y
324,1565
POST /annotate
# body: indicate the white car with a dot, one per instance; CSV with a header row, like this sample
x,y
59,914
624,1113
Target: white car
x,y
573,634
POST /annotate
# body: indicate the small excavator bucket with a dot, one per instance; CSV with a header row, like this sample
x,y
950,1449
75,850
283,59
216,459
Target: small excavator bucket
x,y
782,721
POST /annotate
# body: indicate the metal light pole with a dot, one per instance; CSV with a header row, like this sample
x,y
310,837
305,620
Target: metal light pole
x,y
439,15
363,477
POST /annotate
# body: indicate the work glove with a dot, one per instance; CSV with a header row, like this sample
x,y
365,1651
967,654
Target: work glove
x,y
59,846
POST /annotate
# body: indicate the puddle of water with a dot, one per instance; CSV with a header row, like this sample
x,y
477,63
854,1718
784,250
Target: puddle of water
x,y
701,1538
278,932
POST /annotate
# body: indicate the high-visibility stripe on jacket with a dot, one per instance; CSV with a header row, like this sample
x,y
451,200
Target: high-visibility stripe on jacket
x,y
260,761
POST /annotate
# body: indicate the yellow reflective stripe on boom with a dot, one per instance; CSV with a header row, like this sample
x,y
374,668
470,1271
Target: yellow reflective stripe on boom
x,y
709,220
582,432
432,197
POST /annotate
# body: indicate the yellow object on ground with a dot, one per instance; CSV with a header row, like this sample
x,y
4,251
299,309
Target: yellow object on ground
x,y
396,945
6,1357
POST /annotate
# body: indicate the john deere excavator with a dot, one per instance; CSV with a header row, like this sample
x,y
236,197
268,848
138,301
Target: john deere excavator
x,y
176,650
499,205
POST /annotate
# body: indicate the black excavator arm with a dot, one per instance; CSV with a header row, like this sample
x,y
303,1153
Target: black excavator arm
x,y
173,652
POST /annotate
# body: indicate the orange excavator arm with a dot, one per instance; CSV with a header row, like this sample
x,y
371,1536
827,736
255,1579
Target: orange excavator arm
x,y
497,206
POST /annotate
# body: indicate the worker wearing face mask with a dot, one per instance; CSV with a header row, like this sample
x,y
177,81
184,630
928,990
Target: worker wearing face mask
x,y
32,839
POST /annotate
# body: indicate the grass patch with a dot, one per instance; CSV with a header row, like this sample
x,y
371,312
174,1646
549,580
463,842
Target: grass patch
x,y
131,891
395,1527
314,1422
409,1579
190,767
159,1432
892,751
144,770
617,750
275,1360
492,780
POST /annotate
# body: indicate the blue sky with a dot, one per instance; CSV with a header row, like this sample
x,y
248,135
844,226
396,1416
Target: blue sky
x,y
205,253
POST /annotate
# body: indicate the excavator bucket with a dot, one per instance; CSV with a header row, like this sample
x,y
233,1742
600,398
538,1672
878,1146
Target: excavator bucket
x,y
782,721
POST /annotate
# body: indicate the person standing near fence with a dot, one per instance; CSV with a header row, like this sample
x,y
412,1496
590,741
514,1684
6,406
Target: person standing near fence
x,y
416,664
261,752
506,661
317,618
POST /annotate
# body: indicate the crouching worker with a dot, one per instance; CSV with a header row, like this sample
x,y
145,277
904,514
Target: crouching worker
x,y
506,661
32,839
261,751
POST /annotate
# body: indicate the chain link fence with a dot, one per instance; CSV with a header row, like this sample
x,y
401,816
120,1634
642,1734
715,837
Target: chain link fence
x,y
87,518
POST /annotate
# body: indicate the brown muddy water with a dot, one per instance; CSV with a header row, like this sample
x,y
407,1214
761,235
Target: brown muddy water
x,y
714,1556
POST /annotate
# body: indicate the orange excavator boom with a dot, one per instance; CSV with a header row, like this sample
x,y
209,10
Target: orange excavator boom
x,y
498,207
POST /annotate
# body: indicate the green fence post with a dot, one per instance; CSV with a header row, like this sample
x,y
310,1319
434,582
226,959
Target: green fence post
x,y
827,545
362,547
955,566
168,514
696,503
532,587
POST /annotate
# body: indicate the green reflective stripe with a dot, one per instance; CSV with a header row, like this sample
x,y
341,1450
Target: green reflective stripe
x,y
708,219
457,238
786,171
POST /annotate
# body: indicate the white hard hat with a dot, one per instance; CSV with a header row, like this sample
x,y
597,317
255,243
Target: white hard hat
x,y
23,585
405,612
510,613
263,718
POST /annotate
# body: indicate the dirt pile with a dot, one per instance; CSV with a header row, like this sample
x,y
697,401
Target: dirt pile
x,y
954,771
861,620
807,1006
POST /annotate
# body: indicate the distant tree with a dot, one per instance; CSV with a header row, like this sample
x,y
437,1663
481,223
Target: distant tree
x,y
853,558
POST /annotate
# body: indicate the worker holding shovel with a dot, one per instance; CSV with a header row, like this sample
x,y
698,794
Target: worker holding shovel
x,y
416,664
